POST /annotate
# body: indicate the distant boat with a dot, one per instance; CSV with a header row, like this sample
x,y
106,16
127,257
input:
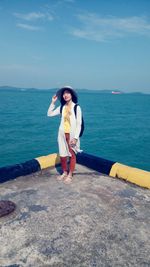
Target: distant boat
x,y
116,92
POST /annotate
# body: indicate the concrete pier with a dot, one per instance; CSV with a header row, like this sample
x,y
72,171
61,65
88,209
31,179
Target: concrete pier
x,y
95,221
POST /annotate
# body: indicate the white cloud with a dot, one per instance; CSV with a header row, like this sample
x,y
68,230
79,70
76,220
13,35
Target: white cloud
x,y
34,16
49,17
94,27
28,27
69,1
60,2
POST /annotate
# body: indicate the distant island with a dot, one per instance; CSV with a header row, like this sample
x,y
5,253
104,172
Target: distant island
x,y
12,88
81,90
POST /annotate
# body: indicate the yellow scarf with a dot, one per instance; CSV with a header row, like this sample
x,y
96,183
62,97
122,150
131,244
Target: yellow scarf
x,y
67,113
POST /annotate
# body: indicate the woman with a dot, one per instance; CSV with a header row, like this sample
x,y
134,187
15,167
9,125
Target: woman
x,y
69,129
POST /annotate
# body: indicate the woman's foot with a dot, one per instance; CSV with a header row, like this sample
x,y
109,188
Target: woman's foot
x,y
62,176
68,179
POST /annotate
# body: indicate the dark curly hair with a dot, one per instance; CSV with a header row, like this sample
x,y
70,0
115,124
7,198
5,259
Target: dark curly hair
x,y
74,97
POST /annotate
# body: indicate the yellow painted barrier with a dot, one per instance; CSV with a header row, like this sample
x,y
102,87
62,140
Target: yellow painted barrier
x,y
133,175
48,161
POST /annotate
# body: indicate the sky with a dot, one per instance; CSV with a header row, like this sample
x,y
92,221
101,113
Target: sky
x,y
91,44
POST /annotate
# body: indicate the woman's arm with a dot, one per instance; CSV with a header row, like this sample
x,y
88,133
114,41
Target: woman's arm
x,y
51,110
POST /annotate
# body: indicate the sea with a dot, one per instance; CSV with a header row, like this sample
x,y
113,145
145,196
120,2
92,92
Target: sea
x,y
117,126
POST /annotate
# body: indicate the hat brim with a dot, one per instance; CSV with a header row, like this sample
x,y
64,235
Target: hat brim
x,y
60,92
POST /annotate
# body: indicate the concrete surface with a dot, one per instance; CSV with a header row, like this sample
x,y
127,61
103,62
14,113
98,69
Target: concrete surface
x,y
95,221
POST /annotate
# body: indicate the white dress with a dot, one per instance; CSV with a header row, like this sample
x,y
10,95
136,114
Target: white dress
x,y
75,122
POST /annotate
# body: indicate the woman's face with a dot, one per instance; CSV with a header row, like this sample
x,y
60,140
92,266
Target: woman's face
x,y
67,96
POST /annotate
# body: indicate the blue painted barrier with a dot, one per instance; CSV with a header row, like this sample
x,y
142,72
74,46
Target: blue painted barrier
x,y
14,171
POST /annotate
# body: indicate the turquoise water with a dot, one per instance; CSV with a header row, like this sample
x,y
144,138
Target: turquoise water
x,y
117,127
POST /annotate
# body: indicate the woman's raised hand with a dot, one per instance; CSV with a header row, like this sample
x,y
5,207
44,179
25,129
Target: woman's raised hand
x,y
54,98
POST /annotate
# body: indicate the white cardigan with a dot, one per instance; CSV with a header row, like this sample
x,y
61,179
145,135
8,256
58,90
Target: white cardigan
x,y
75,129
